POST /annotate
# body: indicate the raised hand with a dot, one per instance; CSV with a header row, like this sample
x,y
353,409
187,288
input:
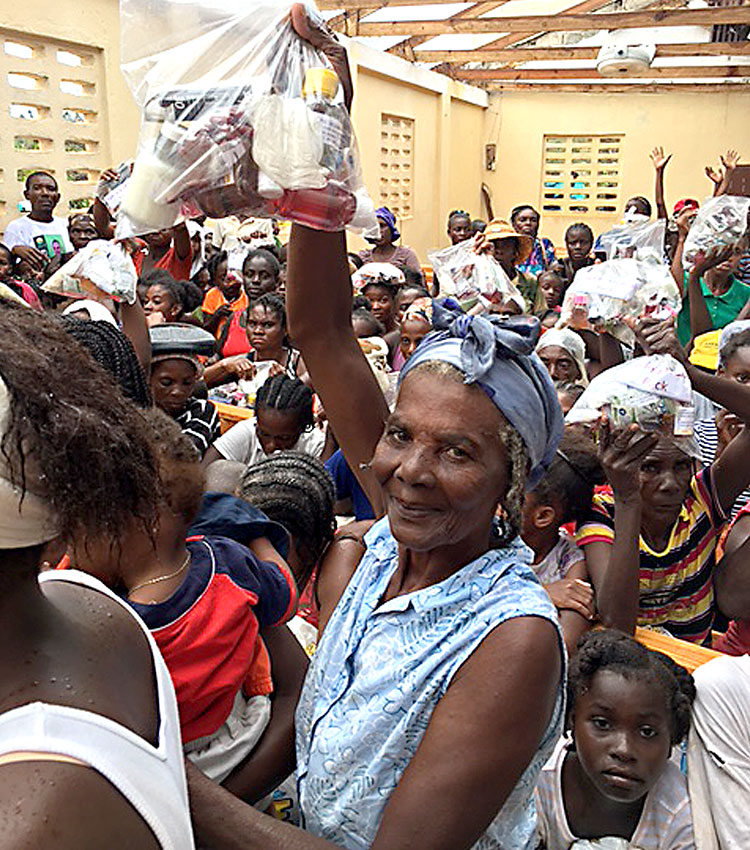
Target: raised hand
x,y
621,454
659,337
713,175
730,160
659,158
313,28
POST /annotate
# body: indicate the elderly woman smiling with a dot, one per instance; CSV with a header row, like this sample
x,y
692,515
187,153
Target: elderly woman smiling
x,y
435,694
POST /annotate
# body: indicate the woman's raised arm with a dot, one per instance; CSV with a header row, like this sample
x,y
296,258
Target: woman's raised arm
x,y
319,296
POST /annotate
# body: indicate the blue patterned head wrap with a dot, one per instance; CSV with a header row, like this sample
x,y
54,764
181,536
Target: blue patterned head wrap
x,y
384,214
498,355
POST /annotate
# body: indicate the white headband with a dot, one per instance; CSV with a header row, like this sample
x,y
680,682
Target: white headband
x,y
25,519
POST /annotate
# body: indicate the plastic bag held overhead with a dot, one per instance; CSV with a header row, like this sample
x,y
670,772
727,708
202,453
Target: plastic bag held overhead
x,y
238,115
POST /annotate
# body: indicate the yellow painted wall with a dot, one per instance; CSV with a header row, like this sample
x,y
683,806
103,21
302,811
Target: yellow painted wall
x,y
84,24
447,153
695,127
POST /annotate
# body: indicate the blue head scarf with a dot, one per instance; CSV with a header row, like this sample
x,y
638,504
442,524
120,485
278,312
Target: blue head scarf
x,y
498,355
384,214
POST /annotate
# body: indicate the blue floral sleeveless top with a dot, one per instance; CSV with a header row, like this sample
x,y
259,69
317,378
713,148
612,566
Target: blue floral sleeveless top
x,y
380,670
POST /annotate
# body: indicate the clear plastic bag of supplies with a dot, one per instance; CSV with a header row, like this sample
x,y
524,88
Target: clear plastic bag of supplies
x,y
616,291
643,241
470,277
239,115
100,270
653,392
722,223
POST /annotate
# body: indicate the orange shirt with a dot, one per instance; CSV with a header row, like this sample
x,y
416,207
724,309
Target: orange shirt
x,y
170,262
215,299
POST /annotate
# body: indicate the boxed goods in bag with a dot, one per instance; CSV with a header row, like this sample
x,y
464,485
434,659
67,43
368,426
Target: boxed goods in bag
x,y
239,115
470,277
722,225
617,291
652,392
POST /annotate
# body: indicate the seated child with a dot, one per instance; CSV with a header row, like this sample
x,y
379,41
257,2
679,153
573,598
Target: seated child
x,y
553,288
612,777
205,600
564,495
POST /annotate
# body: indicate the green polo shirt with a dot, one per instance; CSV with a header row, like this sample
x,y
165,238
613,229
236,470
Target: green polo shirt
x,y
722,309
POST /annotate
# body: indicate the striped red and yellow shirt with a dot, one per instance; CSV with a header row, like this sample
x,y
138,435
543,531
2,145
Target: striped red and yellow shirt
x,y
675,585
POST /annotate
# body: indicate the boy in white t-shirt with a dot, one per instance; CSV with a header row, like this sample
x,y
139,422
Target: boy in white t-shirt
x,y
40,236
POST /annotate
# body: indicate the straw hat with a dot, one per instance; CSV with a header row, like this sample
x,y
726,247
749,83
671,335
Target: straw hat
x,y
498,228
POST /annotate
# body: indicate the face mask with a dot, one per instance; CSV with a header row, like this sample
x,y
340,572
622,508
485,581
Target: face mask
x,y
632,216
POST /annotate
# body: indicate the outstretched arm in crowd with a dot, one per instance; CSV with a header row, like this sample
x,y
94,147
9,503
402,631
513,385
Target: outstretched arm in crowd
x,y
614,567
730,472
660,163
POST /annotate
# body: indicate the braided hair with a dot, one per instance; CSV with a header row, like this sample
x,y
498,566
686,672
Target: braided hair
x,y
571,477
610,649
271,302
516,211
280,392
114,351
295,490
458,214
580,227
89,445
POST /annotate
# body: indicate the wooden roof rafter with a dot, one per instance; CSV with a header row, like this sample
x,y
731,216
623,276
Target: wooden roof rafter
x,y
564,22
501,62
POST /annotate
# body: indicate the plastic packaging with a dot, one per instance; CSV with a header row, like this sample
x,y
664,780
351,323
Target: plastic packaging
x,y
468,277
110,192
100,270
653,392
643,241
619,290
722,222
239,115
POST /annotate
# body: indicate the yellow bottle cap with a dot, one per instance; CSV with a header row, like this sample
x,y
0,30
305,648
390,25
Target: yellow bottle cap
x,y
322,81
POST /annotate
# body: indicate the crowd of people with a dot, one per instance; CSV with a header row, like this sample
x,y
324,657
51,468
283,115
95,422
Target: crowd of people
x,y
298,553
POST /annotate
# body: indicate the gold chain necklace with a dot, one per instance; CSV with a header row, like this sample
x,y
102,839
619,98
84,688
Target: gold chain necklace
x,y
160,578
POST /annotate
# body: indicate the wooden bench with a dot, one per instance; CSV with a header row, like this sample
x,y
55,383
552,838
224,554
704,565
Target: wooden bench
x,y
689,655
230,415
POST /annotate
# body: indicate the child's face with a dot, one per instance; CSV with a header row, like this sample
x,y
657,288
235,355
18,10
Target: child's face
x,y
622,735
552,289
382,302
578,244
5,265
413,331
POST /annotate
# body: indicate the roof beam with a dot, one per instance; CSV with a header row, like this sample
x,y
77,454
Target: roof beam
x,y
332,5
514,55
560,23
518,74
405,49
618,88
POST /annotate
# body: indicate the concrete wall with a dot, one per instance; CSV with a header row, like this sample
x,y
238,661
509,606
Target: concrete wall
x,y
452,124
90,27
448,128
695,127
